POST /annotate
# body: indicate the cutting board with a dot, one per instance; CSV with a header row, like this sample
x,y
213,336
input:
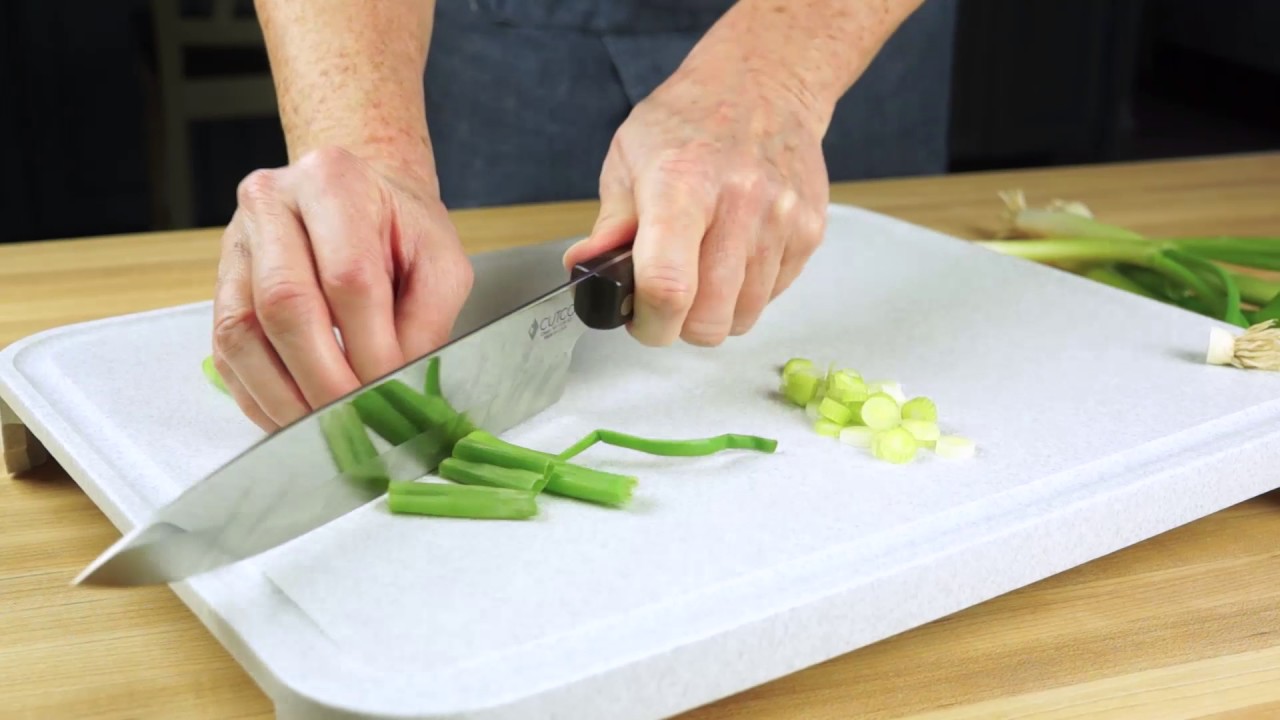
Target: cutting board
x,y
1097,421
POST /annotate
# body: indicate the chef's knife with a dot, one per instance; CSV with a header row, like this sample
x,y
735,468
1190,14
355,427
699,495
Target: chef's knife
x,y
288,484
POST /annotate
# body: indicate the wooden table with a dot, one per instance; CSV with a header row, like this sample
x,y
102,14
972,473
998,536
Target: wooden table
x,y
1185,625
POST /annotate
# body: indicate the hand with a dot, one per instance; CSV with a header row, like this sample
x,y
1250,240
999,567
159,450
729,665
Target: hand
x,y
720,179
331,241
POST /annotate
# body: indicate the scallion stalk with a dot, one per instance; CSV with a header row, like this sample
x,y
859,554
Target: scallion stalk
x,y
461,501
476,473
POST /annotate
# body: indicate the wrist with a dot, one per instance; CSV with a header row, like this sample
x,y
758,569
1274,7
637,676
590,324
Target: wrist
x,y
809,52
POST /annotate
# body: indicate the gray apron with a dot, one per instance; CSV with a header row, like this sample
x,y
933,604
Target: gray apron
x,y
524,96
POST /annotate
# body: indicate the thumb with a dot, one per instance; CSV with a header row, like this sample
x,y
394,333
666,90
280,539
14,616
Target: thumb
x,y
615,225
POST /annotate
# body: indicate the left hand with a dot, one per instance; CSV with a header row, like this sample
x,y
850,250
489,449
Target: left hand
x,y
720,179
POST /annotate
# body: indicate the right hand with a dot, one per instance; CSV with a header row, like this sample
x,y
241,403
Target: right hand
x,y
331,241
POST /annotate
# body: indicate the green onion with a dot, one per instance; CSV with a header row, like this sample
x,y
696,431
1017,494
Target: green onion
x,y
431,386
211,374
881,412
812,409
426,413
353,452
474,473
800,387
954,447
482,447
378,413
894,445
589,485
857,436
888,387
844,386
924,431
835,412
671,448
920,408
827,428
461,501
797,364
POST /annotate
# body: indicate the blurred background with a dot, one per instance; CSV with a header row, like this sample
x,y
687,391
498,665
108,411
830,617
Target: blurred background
x,y
135,115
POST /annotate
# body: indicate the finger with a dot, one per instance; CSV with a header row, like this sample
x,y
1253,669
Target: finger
x,y
289,306
722,270
758,284
243,398
810,225
433,288
253,373
616,222
343,220
669,233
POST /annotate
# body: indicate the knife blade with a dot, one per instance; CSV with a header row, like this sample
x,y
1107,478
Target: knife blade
x,y
289,484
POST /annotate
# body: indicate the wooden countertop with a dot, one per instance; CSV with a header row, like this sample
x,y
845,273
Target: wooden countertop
x,y
1185,625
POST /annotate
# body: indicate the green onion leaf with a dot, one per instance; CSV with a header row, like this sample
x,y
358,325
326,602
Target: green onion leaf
x,y
461,501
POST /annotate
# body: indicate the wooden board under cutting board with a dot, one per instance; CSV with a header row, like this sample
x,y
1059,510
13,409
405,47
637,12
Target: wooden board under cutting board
x,y
1097,420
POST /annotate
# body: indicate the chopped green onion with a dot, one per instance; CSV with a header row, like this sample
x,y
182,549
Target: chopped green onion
x,y
920,408
475,473
827,428
481,447
888,387
924,431
461,501
431,387
880,412
594,486
353,452
797,364
857,436
954,447
811,410
211,374
894,445
378,413
800,387
835,412
846,387
671,448
426,413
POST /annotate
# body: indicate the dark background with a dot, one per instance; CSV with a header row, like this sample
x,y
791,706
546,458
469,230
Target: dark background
x,y
1036,82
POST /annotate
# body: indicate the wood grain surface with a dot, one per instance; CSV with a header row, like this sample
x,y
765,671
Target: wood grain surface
x,y
1185,625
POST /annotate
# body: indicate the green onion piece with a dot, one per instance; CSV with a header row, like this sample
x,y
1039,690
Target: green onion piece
x,y
211,374
431,387
378,413
811,410
461,501
835,412
796,364
857,436
954,447
881,412
589,485
427,413
888,387
671,448
920,408
352,450
894,445
827,428
924,431
475,473
482,447
855,412
800,387
846,387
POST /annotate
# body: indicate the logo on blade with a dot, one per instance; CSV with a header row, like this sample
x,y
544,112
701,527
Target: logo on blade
x,y
549,325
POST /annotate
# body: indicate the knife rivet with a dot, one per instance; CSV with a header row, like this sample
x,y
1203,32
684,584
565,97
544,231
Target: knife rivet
x,y
626,305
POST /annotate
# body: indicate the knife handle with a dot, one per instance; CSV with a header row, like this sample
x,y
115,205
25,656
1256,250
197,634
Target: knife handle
x,y
605,295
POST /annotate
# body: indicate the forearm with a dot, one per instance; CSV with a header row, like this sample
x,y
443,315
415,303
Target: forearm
x,y
815,49
349,74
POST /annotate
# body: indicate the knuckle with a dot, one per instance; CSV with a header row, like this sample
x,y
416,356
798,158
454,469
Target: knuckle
x,y
283,304
705,334
231,332
257,187
750,185
666,288
351,279
326,164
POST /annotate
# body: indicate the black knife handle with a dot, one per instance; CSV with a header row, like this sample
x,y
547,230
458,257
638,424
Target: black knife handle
x,y
605,296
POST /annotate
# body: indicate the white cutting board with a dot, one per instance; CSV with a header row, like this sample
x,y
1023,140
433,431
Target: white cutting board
x,y
1099,425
